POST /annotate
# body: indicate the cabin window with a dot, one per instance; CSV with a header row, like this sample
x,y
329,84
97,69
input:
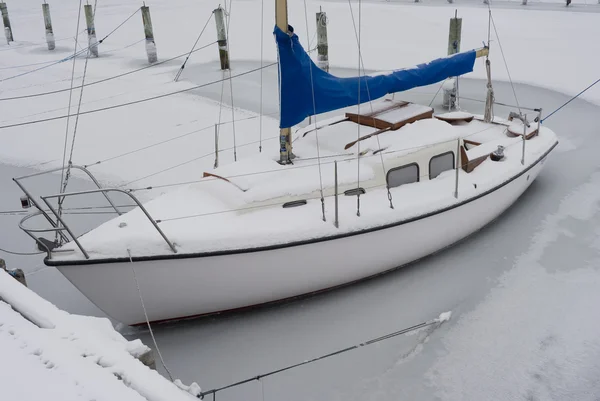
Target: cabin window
x,y
440,163
403,175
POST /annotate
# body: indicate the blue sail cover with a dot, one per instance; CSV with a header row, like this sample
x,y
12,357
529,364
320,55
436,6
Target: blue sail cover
x,y
332,93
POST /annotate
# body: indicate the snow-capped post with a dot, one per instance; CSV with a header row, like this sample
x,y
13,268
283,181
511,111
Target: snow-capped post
x,y
48,26
150,44
222,37
6,21
91,29
322,46
453,47
524,2
285,134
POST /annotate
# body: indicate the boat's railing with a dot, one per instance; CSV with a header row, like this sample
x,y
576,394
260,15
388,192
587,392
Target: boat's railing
x,y
59,226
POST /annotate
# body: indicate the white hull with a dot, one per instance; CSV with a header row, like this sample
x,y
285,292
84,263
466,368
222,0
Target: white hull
x,y
183,287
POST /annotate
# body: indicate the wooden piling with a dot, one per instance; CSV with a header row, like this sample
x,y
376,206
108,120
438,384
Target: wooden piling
x,y
48,26
322,46
6,21
222,37
91,29
148,31
454,37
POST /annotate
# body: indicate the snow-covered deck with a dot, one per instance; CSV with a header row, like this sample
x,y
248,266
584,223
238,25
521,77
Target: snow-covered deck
x,y
244,210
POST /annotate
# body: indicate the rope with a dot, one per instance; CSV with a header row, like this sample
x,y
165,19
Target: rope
x,y
193,47
135,101
106,79
162,361
77,53
570,100
312,88
439,320
20,253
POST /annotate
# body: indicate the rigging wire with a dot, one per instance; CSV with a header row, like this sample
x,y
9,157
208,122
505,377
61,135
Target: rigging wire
x,y
193,47
136,101
109,78
358,114
228,15
262,17
68,172
62,172
312,87
389,194
505,63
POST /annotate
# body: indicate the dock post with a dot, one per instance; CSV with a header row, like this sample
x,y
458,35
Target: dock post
x,y
7,28
91,29
222,37
149,32
322,46
524,2
48,26
454,37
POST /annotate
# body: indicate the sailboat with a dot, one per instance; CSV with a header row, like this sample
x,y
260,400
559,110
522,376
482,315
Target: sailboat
x,y
357,195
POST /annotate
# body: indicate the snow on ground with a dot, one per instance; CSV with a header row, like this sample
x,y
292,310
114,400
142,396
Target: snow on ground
x,y
535,337
69,357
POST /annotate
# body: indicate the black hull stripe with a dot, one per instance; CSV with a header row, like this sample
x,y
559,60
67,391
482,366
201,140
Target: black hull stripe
x,y
50,262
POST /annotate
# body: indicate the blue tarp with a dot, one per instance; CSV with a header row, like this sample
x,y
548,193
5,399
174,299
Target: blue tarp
x,y
332,93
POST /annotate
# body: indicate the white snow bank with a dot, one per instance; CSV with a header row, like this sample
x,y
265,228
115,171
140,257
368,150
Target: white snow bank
x,y
552,313
71,357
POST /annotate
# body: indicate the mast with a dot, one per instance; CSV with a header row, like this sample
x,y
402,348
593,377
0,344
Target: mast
x,y
285,134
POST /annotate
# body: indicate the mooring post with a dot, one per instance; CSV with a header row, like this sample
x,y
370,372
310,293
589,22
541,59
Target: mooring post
x,y
524,2
150,44
91,29
222,37
322,46
48,26
454,36
6,21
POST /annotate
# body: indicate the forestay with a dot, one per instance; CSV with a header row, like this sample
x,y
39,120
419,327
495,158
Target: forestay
x,y
306,90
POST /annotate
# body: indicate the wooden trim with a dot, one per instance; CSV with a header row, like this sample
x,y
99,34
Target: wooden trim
x,y
469,142
205,174
350,144
470,165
